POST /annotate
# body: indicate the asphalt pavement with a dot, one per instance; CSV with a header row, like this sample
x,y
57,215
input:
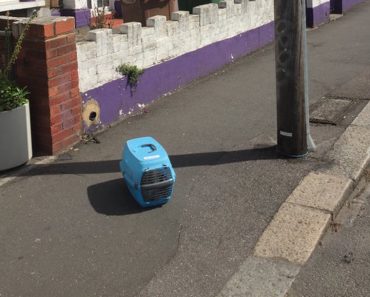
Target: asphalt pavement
x,y
70,228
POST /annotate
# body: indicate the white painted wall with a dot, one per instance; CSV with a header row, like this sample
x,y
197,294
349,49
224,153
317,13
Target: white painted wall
x,y
9,5
74,4
163,40
315,3
79,4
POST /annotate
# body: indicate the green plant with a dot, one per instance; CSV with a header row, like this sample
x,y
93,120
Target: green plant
x,y
12,96
132,72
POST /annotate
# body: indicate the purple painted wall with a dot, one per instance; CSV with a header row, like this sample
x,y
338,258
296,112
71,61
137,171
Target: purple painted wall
x,y
347,4
340,6
318,15
82,16
117,99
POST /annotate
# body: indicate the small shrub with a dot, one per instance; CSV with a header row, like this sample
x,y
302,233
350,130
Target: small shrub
x,y
132,72
12,96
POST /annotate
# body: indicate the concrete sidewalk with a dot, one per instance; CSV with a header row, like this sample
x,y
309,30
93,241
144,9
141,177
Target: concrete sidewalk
x,y
340,265
71,229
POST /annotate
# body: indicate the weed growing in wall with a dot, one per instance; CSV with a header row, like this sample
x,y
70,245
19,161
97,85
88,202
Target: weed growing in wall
x,y
132,72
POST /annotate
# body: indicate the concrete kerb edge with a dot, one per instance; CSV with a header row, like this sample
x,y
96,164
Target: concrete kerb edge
x,y
343,183
5,179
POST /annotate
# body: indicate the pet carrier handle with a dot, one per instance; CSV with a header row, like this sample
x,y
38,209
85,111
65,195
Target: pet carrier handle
x,y
152,146
157,185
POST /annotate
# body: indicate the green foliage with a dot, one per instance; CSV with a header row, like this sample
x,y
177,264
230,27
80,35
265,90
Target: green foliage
x,y
132,72
18,45
12,96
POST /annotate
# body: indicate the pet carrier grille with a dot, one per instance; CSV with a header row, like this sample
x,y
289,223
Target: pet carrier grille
x,y
157,184
156,176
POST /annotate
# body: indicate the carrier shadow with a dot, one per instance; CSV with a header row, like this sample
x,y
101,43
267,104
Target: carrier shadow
x,y
112,198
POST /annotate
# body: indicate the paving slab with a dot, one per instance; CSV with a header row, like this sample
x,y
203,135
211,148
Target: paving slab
x,y
292,234
322,191
329,111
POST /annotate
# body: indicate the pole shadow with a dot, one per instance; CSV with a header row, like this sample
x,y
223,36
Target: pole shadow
x,y
223,157
112,197
178,161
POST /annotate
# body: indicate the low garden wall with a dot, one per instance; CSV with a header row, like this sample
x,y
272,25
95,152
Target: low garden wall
x,y
75,88
172,52
318,12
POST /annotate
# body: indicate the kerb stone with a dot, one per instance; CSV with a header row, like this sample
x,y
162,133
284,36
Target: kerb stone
x,y
261,277
292,234
322,191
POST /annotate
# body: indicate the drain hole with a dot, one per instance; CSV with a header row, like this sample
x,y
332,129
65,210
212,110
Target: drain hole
x,y
92,116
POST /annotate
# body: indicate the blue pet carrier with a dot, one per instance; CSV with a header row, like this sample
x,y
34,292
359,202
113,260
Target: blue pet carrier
x,y
148,172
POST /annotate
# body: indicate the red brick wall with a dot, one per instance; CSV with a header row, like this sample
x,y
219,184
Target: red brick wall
x,y
2,51
48,67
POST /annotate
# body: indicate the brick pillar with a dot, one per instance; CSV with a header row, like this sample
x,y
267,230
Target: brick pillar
x,y
48,67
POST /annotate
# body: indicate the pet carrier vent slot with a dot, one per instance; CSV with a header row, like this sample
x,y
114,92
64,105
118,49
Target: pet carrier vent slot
x,y
156,176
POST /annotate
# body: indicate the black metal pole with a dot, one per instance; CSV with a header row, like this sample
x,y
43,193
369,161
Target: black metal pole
x,y
290,55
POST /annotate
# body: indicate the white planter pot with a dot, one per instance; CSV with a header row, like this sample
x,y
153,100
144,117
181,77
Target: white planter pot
x,y
15,137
